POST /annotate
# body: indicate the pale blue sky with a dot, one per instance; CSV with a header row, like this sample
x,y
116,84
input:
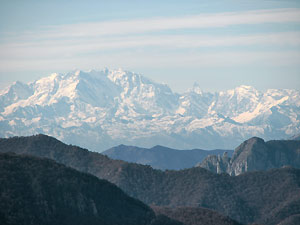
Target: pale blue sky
x,y
218,44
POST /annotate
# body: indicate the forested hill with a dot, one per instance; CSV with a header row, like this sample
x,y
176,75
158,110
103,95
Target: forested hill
x,y
41,191
267,197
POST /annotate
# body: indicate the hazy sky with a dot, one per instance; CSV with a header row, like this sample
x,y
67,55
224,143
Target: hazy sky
x,y
218,44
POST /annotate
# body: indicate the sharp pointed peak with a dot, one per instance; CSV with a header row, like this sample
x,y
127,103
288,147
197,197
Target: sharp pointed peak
x,y
196,84
196,89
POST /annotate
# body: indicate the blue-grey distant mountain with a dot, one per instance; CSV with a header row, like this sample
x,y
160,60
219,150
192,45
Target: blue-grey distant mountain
x,y
160,157
256,155
99,110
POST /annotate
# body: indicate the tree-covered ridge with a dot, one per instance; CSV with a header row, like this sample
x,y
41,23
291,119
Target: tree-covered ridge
x,y
268,197
41,191
195,215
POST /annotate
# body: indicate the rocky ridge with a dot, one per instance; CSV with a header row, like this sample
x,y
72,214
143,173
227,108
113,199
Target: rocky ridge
x,y
256,155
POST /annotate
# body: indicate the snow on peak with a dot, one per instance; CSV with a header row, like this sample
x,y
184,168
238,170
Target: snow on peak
x,y
77,72
103,108
245,89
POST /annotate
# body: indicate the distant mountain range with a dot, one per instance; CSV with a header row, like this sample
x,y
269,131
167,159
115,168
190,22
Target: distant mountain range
x,y
99,110
264,197
256,155
160,157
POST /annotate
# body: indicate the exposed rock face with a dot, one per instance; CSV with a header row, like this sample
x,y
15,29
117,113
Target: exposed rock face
x,y
216,163
256,155
249,156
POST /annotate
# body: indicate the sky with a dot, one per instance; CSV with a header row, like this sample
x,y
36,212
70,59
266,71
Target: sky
x,y
218,44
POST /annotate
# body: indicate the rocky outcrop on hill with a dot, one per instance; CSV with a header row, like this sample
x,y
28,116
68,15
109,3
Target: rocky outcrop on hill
x,y
216,163
256,155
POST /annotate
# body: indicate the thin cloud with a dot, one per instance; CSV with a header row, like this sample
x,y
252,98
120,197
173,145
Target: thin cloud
x,y
140,26
69,48
137,43
156,60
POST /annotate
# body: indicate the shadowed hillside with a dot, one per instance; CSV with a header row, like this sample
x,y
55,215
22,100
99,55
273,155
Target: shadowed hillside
x,y
40,191
261,197
195,216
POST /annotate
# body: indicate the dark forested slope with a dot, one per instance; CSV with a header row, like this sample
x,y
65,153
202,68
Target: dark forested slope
x,y
195,216
267,197
41,191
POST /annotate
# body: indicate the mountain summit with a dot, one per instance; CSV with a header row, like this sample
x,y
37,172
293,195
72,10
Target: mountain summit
x,y
101,109
255,154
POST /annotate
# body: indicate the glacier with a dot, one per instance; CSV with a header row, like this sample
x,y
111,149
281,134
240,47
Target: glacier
x,y
101,109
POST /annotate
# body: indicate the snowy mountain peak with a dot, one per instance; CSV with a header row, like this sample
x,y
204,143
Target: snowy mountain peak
x,y
196,89
101,109
245,88
77,72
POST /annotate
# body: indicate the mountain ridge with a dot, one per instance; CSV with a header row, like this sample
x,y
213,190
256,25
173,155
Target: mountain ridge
x,y
102,109
161,157
266,197
41,191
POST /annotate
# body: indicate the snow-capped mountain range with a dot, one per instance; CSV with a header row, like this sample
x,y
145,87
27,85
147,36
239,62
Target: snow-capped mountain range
x,y
101,109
